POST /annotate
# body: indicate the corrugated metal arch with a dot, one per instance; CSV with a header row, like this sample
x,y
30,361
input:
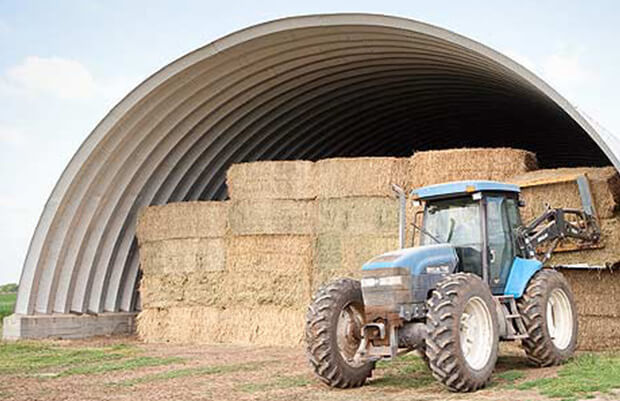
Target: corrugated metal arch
x,y
298,88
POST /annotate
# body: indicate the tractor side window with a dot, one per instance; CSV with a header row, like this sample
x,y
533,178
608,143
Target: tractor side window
x,y
501,246
457,222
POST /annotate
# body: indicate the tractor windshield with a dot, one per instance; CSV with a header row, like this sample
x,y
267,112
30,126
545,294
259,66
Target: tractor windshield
x,y
458,222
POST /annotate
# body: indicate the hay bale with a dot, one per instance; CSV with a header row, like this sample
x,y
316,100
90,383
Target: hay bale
x,y
608,255
183,255
604,184
182,220
438,166
168,290
360,176
203,325
269,269
272,216
272,180
362,215
597,292
597,333
344,255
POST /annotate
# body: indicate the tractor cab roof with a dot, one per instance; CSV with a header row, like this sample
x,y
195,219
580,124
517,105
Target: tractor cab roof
x,y
460,188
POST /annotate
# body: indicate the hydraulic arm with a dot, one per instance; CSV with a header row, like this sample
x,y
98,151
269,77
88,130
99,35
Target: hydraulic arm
x,y
554,225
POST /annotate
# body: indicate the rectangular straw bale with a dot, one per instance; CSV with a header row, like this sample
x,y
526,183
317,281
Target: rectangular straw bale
x,y
203,325
273,216
604,184
343,255
183,255
182,220
360,176
439,166
598,333
597,292
361,215
269,269
272,180
163,290
610,237
167,290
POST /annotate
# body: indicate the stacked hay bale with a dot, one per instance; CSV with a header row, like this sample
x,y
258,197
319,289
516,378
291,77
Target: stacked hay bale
x,y
358,213
497,164
597,292
183,261
272,220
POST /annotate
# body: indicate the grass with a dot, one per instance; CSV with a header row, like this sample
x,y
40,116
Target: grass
x,y
581,378
195,371
278,383
7,303
406,372
50,361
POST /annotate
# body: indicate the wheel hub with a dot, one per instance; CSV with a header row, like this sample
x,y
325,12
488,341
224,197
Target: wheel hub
x,y
476,333
559,319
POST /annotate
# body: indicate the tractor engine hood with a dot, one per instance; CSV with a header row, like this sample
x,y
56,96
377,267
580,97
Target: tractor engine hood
x,y
397,283
438,258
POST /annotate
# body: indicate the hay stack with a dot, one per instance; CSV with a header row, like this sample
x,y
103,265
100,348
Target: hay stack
x,y
438,166
182,256
604,185
597,292
360,177
357,213
272,180
265,325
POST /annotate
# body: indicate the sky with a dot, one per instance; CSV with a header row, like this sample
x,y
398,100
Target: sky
x,y
64,64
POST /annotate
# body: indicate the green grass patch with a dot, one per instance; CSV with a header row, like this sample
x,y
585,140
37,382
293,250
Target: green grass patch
x,y
278,383
47,360
580,378
406,372
195,371
7,304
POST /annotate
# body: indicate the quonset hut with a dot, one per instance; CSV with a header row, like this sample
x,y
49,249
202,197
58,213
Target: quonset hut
x,y
306,87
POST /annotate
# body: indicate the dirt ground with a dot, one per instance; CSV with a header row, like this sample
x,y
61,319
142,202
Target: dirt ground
x,y
224,372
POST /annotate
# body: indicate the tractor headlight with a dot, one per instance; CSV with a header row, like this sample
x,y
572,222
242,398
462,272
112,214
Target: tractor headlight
x,y
382,281
442,269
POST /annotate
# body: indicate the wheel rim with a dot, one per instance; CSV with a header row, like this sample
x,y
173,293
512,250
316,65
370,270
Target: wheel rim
x,y
348,331
559,319
476,333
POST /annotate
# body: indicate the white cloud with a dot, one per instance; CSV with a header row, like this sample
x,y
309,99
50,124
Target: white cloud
x,y
11,136
64,78
566,69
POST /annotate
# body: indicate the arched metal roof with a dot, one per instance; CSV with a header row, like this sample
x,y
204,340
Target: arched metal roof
x,y
298,88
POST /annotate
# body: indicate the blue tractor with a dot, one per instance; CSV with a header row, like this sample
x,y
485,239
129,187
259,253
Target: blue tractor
x,y
473,280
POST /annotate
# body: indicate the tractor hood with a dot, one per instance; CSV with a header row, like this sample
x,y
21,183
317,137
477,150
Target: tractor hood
x,y
439,258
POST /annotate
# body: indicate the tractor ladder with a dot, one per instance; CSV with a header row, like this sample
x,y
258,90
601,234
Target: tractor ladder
x,y
515,327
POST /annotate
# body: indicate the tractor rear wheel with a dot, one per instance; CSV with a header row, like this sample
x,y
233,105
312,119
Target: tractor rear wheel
x,y
462,332
333,334
550,316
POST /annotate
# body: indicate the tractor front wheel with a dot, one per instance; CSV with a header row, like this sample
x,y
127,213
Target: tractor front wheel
x,y
333,334
462,332
550,316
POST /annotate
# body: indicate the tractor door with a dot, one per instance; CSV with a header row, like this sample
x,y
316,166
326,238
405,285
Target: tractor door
x,y
501,244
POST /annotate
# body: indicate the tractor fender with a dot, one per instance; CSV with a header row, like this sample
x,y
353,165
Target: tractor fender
x,y
521,271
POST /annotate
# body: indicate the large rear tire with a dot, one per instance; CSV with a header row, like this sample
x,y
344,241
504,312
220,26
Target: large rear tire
x,y
550,316
333,334
462,339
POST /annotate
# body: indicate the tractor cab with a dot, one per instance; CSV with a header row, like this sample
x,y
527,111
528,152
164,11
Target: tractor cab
x,y
479,219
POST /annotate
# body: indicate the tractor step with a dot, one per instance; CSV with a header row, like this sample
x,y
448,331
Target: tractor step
x,y
516,327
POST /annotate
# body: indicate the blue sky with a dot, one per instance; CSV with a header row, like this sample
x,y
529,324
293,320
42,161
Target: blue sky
x,y
64,64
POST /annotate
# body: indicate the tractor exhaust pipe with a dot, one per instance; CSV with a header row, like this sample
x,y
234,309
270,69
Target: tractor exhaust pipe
x,y
402,216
